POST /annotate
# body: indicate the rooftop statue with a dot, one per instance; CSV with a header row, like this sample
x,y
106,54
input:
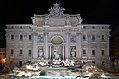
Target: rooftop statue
x,y
79,19
56,10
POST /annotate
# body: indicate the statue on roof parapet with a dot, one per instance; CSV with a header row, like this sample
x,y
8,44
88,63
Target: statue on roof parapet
x,y
56,10
79,19
67,19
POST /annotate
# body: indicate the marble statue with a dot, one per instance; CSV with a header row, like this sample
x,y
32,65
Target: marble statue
x,y
67,19
79,19
56,56
73,51
55,52
40,52
56,10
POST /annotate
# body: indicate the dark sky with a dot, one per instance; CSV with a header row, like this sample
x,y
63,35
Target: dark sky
x,y
92,11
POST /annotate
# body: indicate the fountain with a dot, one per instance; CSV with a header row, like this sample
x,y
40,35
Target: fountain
x,y
56,69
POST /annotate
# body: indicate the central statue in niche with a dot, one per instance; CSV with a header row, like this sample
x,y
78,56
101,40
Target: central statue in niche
x,y
57,48
56,56
56,53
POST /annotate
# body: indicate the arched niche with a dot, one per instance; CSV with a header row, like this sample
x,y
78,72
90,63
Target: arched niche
x,y
57,39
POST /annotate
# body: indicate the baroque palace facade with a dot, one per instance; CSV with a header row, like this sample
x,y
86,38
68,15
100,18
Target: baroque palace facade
x,y
59,33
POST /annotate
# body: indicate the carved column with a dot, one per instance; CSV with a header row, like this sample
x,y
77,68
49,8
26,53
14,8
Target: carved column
x,y
67,46
46,47
67,33
79,34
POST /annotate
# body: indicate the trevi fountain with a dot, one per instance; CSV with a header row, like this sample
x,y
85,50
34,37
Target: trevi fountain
x,y
57,69
57,46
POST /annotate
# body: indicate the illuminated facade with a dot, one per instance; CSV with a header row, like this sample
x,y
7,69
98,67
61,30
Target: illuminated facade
x,y
59,33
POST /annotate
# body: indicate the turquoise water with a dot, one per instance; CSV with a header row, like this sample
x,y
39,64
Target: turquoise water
x,y
68,77
46,77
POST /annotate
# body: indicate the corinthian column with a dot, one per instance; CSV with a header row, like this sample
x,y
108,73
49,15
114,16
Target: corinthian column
x,y
67,54
79,34
46,47
35,48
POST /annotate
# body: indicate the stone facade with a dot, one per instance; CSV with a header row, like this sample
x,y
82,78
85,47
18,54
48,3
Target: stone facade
x,y
57,33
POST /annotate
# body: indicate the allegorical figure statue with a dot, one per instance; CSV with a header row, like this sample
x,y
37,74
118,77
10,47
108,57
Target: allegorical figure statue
x,y
40,52
79,19
56,56
73,51
56,10
67,19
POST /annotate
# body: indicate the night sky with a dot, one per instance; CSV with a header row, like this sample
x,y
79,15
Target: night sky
x,y
92,12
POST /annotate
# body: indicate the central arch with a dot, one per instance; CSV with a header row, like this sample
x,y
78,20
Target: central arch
x,y
57,47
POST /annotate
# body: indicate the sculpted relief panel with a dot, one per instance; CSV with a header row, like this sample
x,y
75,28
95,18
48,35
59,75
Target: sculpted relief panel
x,y
73,38
40,38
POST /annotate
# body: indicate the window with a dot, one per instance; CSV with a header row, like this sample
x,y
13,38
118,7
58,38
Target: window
x,y
84,37
29,53
20,63
93,27
20,27
93,52
103,52
103,63
84,62
21,52
21,37
102,27
93,37
84,52
29,37
12,37
93,62
4,53
29,62
102,37
84,27
12,52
